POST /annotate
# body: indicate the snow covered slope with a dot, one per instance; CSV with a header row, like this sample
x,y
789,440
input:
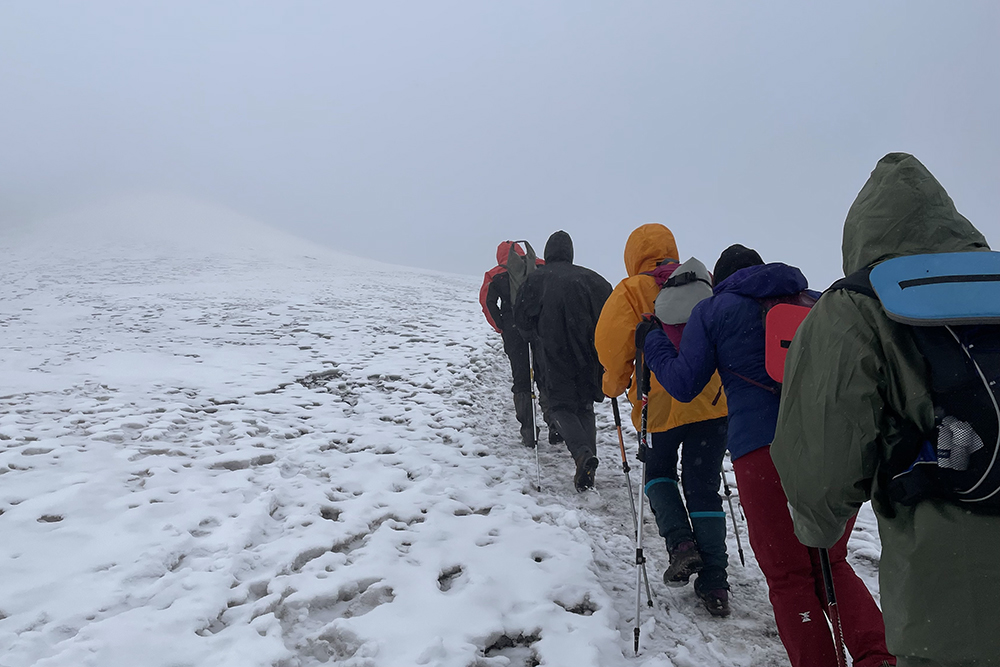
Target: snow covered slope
x,y
220,446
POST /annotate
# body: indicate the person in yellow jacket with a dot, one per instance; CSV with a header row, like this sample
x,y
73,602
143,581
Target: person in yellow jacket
x,y
695,535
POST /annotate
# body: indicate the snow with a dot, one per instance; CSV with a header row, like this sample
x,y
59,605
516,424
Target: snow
x,y
220,445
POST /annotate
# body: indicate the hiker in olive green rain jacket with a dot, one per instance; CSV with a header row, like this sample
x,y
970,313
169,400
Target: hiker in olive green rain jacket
x,y
852,377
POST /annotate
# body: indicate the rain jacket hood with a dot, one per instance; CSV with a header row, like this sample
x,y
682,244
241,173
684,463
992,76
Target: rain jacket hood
x,y
903,210
766,280
559,248
648,246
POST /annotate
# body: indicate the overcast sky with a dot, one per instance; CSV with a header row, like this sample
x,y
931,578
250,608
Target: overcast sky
x,y
424,133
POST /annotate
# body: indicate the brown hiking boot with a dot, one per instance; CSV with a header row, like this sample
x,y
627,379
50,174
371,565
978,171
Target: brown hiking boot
x,y
684,561
716,601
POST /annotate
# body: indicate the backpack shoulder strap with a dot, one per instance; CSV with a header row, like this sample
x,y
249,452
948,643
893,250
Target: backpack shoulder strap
x,y
685,278
859,281
804,299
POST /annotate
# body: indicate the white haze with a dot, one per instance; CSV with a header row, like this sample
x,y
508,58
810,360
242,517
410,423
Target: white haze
x,y
424,133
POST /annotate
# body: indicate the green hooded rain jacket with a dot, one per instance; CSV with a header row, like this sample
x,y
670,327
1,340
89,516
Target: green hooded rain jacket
x,y
852,377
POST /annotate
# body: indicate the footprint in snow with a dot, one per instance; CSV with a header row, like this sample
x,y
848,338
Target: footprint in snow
x,y
516,649
352,600
488,539
584,607
330,513
446,580
205,527
243,464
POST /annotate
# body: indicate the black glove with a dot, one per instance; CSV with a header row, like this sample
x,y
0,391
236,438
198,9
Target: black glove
x,y
643,328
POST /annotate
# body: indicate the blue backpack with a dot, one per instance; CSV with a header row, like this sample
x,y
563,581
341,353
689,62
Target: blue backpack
x,y
951,301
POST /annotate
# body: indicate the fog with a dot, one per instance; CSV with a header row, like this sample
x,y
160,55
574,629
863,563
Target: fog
x,y
425,133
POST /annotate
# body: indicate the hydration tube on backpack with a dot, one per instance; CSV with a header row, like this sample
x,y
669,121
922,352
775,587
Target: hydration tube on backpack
x,y
951,302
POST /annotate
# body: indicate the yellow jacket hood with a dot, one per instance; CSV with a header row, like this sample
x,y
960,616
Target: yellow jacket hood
x,y
648,246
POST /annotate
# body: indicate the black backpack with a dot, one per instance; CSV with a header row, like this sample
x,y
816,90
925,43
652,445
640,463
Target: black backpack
x,y
951,302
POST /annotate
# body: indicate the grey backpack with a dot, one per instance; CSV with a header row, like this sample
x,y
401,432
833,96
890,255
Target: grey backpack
x,y
519,267
681,291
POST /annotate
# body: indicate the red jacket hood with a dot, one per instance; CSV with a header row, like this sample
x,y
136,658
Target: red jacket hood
x,y
504,249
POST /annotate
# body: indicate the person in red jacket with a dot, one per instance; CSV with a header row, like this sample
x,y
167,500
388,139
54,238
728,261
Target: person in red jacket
x,y
498,307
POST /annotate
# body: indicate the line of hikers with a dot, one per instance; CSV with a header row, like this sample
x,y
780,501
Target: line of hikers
x,y
888,393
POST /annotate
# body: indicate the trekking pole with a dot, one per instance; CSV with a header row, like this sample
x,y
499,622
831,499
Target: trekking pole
x,y
732,513
640,559
625,467
534,428
831,605
631,495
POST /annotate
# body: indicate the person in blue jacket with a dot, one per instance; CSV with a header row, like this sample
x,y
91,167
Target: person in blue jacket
x,y
726,333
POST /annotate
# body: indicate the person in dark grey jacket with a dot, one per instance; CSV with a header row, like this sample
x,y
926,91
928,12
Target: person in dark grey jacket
x,y
558,308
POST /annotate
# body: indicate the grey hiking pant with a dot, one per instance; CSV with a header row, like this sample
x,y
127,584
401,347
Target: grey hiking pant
x,y
578,428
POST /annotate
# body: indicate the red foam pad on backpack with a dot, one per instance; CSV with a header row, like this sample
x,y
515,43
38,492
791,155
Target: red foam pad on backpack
x,y
782,322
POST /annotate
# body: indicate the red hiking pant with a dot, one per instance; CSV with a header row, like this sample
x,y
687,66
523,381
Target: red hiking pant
x,y
795,580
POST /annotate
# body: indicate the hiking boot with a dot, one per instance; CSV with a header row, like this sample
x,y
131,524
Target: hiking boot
x,y
716,601
554,437
584,478
684,561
